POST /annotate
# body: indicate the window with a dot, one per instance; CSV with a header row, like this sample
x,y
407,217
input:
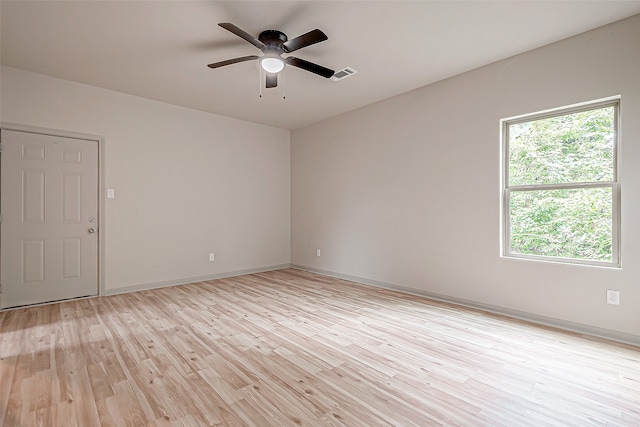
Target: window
x,y
561,191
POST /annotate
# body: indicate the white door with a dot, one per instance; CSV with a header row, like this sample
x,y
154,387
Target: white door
x,y
49,229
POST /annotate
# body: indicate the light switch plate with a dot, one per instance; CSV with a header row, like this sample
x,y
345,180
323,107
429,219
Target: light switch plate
x,y
111,193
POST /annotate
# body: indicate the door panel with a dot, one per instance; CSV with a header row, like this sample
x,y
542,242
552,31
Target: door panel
x,y
32,196
71,258
71,197
49,202
33,261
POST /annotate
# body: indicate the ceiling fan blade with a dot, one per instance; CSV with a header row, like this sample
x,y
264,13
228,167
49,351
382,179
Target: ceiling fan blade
x,y
310,66
233,61
312,37
272,80
242,34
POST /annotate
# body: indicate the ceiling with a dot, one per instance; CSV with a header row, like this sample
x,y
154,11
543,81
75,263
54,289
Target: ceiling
x,y
159,49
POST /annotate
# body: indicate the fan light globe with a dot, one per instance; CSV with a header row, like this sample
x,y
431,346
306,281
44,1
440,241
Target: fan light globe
x,y
272,65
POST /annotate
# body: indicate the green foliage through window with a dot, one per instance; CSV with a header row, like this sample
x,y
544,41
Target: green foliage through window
x,y
561,184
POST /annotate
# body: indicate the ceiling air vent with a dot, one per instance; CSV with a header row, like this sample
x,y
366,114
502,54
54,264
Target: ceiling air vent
x,y
343,74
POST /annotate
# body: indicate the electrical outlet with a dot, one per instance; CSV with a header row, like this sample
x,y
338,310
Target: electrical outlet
x,y
613,297
317,252
212,257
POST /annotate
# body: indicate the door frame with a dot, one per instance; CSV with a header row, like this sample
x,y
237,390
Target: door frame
x,y
101,183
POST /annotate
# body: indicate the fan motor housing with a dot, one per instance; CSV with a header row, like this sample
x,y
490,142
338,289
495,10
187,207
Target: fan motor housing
x,y
273,38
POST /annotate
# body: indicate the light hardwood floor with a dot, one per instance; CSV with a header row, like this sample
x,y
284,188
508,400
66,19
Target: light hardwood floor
x,y
294,348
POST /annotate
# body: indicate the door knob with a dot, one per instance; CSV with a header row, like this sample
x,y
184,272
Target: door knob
x,y
92,230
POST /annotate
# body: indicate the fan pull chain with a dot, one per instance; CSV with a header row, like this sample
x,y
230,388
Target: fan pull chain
x,y
259,79
284,83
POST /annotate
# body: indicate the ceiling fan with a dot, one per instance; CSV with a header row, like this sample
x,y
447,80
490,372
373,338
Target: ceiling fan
x,y
274,44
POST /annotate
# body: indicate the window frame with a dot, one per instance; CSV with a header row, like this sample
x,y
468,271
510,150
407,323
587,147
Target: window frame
x,y
614,185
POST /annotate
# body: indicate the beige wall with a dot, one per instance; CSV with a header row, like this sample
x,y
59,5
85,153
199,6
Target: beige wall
x,y
406,192
186,182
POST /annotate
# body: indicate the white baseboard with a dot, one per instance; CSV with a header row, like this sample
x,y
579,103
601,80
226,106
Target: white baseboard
x,y
579,328
187,280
